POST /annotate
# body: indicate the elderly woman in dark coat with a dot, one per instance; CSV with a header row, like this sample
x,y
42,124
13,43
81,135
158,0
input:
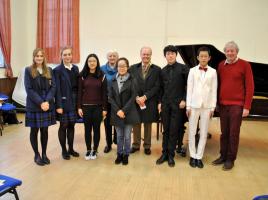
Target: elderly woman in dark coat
x,y
124,113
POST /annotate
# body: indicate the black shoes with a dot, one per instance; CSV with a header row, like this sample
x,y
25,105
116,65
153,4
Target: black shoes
x,y
199,163
165,157
121,159
196,163
41,161
38,160
107,149
228,165
133,150
147,151
73,153
181,151
66,156
118,159
171,161
125,160
45,159
162,159
218,161
192,162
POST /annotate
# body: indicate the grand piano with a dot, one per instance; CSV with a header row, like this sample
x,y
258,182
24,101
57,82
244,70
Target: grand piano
x,y
259,108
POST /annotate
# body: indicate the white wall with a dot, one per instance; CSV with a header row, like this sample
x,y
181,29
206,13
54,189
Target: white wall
x,y
23,33
127,25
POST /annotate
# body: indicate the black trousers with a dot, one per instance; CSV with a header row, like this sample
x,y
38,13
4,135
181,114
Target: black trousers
x,y
182,129
172,117
109,128
92,119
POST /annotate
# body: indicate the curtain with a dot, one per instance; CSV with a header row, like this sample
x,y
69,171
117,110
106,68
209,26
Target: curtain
x,y
5,35
58,26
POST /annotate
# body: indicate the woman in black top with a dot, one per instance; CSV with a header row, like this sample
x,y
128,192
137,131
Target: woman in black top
x,y
92,102
66,75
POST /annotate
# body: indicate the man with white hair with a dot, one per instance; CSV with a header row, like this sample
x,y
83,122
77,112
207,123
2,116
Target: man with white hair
x,y
110,71
147,76
236,88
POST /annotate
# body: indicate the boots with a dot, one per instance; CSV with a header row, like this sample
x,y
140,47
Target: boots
x,y
125,160
119,159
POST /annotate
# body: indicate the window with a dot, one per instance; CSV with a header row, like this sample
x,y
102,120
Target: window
x,y
58,26
2,62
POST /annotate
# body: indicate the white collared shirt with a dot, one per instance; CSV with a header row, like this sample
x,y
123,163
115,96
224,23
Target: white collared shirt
x,y
68,67
227,62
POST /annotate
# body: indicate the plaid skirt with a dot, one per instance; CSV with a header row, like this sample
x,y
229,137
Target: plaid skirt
x,y
67,117
40,119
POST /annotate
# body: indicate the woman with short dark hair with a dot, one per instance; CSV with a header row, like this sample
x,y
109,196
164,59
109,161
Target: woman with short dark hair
x,y
124,113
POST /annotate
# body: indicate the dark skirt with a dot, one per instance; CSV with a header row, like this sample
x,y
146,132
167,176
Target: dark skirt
x,y
40,119
67,117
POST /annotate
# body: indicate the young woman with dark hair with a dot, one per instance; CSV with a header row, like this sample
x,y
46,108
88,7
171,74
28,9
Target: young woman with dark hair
x,y
92,102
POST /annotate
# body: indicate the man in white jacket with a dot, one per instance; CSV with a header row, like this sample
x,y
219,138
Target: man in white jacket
x,y
201,102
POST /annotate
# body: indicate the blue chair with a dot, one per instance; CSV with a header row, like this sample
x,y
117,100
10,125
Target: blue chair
x,y
261,197
3,98
9,185
5,108
1,122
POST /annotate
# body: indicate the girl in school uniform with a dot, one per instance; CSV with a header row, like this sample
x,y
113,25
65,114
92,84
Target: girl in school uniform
x,y
66,75
124,113
40,88
92,102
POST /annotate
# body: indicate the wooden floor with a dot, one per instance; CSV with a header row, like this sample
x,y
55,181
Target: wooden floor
x,y
101,179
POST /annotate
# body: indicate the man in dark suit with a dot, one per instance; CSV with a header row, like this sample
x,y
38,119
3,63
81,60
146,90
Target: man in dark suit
x,y
172,103
147,77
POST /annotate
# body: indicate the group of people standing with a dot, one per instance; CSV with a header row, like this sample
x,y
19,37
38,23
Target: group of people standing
x,y
127,97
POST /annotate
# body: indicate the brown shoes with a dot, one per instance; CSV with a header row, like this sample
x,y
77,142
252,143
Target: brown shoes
x,y
228,165
133,149
218,161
